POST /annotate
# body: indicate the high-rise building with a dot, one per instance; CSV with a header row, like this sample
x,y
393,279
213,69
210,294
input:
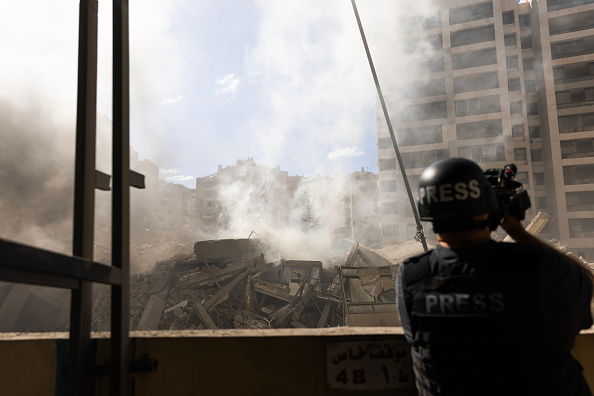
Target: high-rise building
x,y
356,211
244,193
500,83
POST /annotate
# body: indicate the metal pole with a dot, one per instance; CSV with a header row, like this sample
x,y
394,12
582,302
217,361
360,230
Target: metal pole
x,y
80,368
420,234
120,295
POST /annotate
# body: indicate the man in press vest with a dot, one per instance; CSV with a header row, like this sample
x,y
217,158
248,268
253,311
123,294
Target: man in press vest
x,y
484,317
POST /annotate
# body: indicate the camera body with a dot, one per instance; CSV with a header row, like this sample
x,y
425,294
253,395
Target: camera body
x,y
509,191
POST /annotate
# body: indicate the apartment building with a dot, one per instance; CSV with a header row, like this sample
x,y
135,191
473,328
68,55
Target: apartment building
x,y
501,82
355,207
245,191
344,206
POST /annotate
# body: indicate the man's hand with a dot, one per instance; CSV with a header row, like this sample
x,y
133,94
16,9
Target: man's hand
x,y
516,230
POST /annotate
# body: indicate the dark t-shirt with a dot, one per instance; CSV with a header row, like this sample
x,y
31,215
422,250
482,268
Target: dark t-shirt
x,y
552,302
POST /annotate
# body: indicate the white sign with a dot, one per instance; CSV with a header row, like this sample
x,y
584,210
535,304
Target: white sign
x,y
373,365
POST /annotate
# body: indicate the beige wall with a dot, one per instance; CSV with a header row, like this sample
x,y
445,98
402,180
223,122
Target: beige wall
x,y
220,362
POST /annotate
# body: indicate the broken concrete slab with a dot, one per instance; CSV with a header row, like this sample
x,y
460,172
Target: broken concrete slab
x,y
197,280
162,284
350,261
204,317
152,313
275,290
324,317
224,249
294,270
180,305
223,294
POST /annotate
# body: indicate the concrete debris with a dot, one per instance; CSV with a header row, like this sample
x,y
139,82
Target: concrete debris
x,y
152,313
229,284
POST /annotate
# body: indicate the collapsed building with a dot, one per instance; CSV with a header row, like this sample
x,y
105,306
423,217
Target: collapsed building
x,y
230,284
239,284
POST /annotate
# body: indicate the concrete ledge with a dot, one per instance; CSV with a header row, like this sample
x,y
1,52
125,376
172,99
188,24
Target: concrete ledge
x,y
213,362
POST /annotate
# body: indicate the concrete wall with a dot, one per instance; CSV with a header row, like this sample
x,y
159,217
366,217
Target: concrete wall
x,y
235,362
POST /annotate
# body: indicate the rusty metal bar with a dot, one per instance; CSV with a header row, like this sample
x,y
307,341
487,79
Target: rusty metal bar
x,y
80,367
37,265
420,235
120,294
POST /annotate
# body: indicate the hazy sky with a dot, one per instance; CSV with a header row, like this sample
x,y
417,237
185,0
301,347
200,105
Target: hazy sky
x,y
283,81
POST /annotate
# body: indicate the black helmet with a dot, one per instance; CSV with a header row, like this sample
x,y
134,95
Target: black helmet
x,y
453,190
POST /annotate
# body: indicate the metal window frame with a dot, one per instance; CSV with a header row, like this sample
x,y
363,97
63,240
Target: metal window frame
x,y
25,264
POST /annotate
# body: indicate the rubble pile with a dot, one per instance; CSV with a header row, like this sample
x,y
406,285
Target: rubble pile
x,y
229,284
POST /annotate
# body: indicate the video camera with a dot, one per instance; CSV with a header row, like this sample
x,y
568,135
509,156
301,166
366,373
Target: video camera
x,y
509,191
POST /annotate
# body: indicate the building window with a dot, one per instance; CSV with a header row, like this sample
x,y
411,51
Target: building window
x,y
417,136
579,201
530,86
539,179
478,130
390,230
518,130
472,36
534,132
423,159
476,82
581,228
572,22
482,105
526,42
483,153
424,111
385,143
571,48
575,97
513,84
578,148
528,64
576,123
474,59
532,109
520,154
536,155
562,98
541,202
574,73
471,13
508,17
578,174
510,40
512,62
554,5
388,186
387,164
515,107
389,208
524,20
